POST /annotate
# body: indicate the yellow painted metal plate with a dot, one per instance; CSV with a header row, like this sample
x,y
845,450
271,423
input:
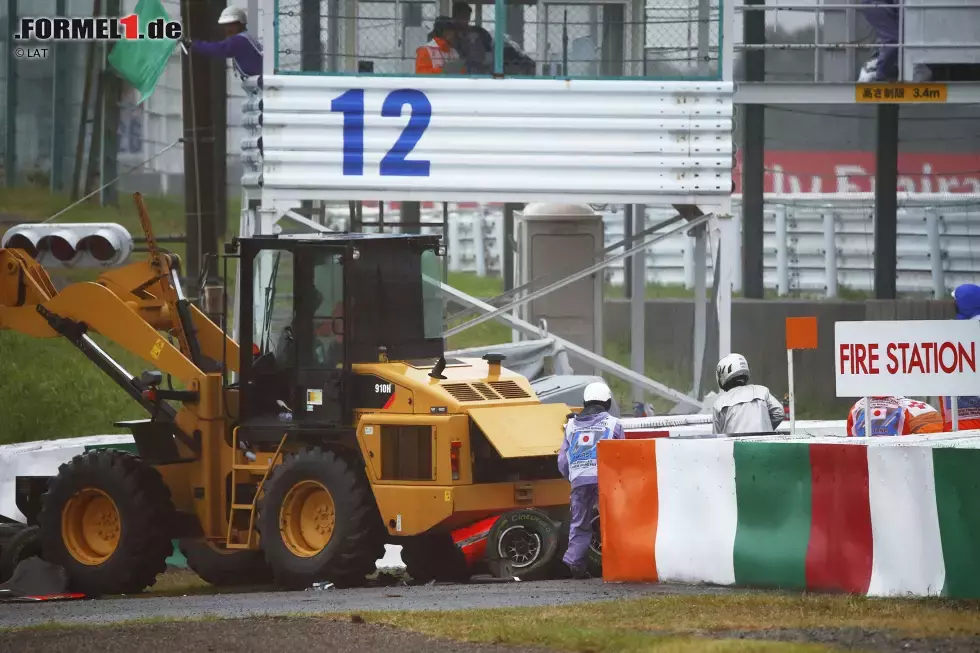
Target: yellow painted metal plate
x,y
520,431
898,93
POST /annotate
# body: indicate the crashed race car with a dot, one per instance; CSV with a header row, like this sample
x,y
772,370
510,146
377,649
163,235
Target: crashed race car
x,y
527,544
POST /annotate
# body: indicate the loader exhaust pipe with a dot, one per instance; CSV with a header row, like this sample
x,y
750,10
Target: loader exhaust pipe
x,y
438,369
494,360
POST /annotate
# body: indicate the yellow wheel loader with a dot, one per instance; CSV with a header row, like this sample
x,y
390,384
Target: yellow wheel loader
x,y
345,428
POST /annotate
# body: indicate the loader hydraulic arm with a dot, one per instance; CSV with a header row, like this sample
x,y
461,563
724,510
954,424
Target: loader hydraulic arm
x,y
129,306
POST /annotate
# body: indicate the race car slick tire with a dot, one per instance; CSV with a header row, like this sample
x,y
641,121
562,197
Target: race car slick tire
x,y
434,557
594,563
225,567
522,543
319,522
24,544
108,519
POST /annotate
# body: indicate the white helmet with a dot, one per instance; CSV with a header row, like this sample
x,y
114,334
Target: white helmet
x,y
232,15
731,367
597,391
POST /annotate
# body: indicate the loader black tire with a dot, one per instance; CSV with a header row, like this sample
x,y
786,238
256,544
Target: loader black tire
x,y
522,543
118,496
24,544
225,567
434,557
344,541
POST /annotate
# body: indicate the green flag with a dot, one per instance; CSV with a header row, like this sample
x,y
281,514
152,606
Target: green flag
x,y
141,62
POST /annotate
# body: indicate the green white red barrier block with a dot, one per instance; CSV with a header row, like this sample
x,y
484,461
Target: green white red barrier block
x,y
879,517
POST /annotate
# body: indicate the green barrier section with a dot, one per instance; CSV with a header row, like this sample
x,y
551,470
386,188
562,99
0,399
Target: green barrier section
x,y
958,505
773,492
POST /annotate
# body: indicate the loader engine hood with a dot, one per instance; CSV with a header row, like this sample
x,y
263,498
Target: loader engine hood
x,y
500,403
522,431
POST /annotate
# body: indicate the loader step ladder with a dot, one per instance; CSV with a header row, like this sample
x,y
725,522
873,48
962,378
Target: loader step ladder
x,y
232,541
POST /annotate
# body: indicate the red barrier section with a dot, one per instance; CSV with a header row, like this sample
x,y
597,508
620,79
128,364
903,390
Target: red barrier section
x,y
840,551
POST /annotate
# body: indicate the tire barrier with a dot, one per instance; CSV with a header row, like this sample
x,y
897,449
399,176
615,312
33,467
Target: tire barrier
x,y
879,517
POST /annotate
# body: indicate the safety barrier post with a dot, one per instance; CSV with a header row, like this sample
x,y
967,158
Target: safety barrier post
x,y
801,333
830,252
935,253
782,254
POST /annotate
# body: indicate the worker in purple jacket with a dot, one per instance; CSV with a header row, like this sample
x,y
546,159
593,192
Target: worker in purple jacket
x,y
239,45
577,461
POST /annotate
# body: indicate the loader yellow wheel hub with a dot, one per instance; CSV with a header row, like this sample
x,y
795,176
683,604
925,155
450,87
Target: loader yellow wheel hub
x,y
307,518
90,526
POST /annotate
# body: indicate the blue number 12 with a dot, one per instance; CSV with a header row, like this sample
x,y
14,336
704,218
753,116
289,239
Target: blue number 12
x,y
395,163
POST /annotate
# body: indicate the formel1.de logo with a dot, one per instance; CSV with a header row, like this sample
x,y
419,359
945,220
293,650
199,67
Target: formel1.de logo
x,y
96,28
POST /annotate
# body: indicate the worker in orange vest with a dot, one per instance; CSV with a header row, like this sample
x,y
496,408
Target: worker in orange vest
x,y
431,58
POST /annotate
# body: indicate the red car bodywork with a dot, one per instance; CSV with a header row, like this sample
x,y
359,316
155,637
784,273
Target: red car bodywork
x,y
472,540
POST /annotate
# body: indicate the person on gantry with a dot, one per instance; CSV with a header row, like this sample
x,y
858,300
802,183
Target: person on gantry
x,y
894,416
743,407
577,461
966,298
239,45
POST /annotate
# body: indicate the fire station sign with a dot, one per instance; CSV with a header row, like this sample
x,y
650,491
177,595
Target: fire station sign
x,y
910,358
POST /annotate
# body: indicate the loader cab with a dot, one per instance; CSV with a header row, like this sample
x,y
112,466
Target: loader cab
x,y
313,306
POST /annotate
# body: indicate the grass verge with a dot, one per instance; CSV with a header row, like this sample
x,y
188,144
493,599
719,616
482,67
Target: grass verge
x,y
623,626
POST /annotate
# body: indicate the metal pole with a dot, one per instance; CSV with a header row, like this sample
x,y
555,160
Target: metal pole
x,y
935,254
867,417
704,37
311,54
886,202
507,247
445,237
311,48
76,181
333,34
628,239
201,159
59,107
111,95
700,303
723,233
479,248
572,278
792,392
782,255
93,168
954,404
10,134
638,305
830,252
499,29
753,158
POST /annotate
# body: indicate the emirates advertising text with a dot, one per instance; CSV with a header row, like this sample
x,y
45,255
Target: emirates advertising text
x,y
907,358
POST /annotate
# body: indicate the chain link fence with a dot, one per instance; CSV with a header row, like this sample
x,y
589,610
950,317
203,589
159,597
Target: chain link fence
x,y
664,39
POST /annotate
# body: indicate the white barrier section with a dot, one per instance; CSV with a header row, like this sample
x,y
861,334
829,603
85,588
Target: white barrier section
x,y
41,459
697,511
908,552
